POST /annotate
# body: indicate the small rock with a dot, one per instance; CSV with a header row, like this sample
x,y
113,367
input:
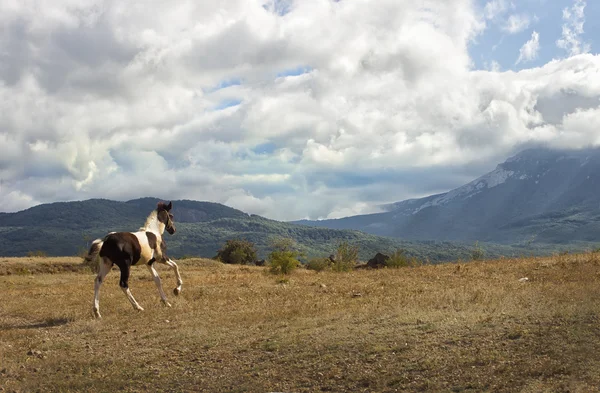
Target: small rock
x,y
356,294
523,279
323,286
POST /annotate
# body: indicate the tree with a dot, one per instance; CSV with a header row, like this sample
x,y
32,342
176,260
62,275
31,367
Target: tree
x,y
346,257
284,257
237,251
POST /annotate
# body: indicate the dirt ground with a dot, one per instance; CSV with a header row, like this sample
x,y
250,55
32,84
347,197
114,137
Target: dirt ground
x,y
468,327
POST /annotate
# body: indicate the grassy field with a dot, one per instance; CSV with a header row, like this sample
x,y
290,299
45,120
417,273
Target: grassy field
x,y
467,327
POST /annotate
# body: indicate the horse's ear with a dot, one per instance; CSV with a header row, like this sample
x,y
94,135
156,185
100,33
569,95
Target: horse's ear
x,y
160,206
169,206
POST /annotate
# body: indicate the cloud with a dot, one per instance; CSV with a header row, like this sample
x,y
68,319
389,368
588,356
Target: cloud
x,y
572,29
529,51
496,8
516,23
297,109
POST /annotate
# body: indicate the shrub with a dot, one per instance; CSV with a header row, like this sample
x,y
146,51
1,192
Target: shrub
x,y
189,256
284,257
318,264
478,253
236,251
82,252
92,264
398,259
37,254
346,257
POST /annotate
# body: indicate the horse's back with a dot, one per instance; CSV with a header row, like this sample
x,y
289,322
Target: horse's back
x,y
120,246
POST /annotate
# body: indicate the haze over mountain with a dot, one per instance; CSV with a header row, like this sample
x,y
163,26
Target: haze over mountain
x,y
539,195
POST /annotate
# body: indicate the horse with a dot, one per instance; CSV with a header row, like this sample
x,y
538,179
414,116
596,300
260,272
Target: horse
x,y
126,249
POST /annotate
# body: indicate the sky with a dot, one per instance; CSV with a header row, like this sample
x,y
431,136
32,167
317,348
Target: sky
x,y
288,109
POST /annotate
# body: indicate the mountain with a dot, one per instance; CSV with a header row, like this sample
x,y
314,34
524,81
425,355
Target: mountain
x,y
63,228
538,196
67,228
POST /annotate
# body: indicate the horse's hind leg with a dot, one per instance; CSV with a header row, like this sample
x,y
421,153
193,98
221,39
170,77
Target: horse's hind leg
x,y
103,269
158,283
174,266
124,284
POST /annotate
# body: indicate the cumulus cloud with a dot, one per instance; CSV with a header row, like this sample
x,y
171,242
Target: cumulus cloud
x,y
572,29
287,109
529,50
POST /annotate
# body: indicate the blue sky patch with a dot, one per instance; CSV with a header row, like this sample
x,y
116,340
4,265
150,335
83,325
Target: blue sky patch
x,y
294,71
265,148
225,84
279,7
227,104
500,44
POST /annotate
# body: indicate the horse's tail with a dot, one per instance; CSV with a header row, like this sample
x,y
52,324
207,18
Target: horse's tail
x,y
93,252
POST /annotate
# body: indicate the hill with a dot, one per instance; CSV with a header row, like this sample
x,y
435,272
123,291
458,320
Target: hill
x,y
538,196
67,228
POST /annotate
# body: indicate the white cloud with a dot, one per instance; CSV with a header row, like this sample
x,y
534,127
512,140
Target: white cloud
x,y
516,23
324,108
496,8
572,29
529,50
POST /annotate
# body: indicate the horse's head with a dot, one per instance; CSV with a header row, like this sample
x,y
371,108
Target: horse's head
x,y
165,216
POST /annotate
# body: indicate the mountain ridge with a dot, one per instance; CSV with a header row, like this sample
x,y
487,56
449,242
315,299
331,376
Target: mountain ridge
x,y
67,228
542,194
537,201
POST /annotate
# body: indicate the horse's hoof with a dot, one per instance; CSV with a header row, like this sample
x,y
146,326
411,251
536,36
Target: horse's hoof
x,y
97,314
176,291
140,309
167,303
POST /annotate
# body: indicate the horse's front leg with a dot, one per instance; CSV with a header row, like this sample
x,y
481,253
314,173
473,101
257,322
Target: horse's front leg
x,y
124,284
158,283
168,261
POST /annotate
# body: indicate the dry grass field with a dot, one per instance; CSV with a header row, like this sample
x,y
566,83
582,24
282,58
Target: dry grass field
x,y
468,327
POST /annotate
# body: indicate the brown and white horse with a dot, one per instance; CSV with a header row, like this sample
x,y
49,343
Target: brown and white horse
x,y
126,249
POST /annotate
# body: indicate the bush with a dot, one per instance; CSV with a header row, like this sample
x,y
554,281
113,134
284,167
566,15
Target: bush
x,y
284,257
346,257
236,251
318,264
478,253
37,254
399,259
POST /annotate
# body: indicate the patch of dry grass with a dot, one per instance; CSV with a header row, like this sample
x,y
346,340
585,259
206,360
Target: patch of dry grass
x,y
465,328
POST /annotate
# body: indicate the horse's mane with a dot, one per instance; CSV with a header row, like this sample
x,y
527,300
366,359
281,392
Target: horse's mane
x,y
153,216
